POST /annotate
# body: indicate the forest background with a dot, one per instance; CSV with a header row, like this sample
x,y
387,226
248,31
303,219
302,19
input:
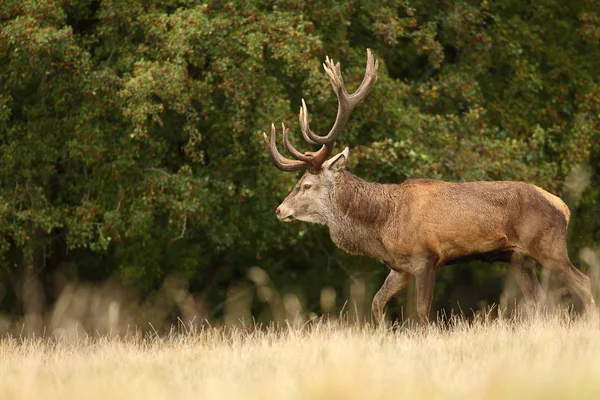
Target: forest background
x,y
135,185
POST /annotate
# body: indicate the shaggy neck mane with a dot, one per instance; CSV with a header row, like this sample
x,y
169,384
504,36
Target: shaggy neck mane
x,y
363,202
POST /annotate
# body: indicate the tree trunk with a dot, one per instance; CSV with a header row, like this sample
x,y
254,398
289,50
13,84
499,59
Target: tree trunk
x,y
33,297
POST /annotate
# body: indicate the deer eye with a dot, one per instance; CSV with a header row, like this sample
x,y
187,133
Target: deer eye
x,y
307,186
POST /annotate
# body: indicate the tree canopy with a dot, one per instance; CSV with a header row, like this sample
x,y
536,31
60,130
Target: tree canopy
x,y
131,130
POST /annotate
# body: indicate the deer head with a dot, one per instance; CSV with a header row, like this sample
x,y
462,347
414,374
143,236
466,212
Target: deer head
x,y
310,199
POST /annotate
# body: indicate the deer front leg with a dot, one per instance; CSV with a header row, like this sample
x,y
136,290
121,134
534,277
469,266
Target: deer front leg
x,y
394,283
425,281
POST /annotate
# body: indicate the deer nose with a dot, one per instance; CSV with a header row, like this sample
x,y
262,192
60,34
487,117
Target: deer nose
x,y
278,212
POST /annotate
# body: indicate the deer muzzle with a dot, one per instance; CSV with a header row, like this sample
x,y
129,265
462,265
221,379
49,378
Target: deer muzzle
x,y
284,214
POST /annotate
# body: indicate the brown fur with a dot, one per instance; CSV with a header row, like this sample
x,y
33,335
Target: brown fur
x,y
422,224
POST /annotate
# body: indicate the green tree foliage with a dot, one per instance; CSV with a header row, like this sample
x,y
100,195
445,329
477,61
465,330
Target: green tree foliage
x,y
130,131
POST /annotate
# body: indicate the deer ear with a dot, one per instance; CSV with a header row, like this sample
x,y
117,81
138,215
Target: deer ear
x,y
338,162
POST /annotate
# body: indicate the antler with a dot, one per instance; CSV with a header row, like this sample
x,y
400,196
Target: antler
x,y
346,103
309,160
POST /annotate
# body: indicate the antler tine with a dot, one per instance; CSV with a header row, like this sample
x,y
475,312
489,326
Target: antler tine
x,y
334,73
369,79
295,153
282,163
346,102
303,117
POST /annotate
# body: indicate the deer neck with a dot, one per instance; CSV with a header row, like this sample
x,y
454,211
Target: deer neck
x,y
359,210
359,202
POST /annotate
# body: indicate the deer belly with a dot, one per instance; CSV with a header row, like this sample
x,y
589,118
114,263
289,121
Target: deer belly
x,y
486,249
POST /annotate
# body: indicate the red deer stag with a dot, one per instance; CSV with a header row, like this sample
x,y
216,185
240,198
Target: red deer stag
x,y
421,224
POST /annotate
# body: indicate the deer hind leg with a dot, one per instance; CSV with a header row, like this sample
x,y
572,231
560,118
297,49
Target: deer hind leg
x,y
576,281
523,268
557,261
394,283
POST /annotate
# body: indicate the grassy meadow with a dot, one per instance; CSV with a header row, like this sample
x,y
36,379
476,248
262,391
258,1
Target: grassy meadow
x,y
529,357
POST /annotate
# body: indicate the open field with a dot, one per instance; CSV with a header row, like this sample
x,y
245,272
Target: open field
x,y
549,357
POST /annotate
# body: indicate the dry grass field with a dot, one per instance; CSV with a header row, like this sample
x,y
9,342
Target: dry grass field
x,y
541,357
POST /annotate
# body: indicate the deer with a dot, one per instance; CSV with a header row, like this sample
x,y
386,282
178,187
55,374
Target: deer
x,y
420,225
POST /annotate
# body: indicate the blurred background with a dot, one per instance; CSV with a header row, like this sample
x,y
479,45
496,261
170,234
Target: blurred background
x,y
136,189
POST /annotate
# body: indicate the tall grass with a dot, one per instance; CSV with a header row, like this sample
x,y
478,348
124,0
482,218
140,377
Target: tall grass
x,y
83,348
546,356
